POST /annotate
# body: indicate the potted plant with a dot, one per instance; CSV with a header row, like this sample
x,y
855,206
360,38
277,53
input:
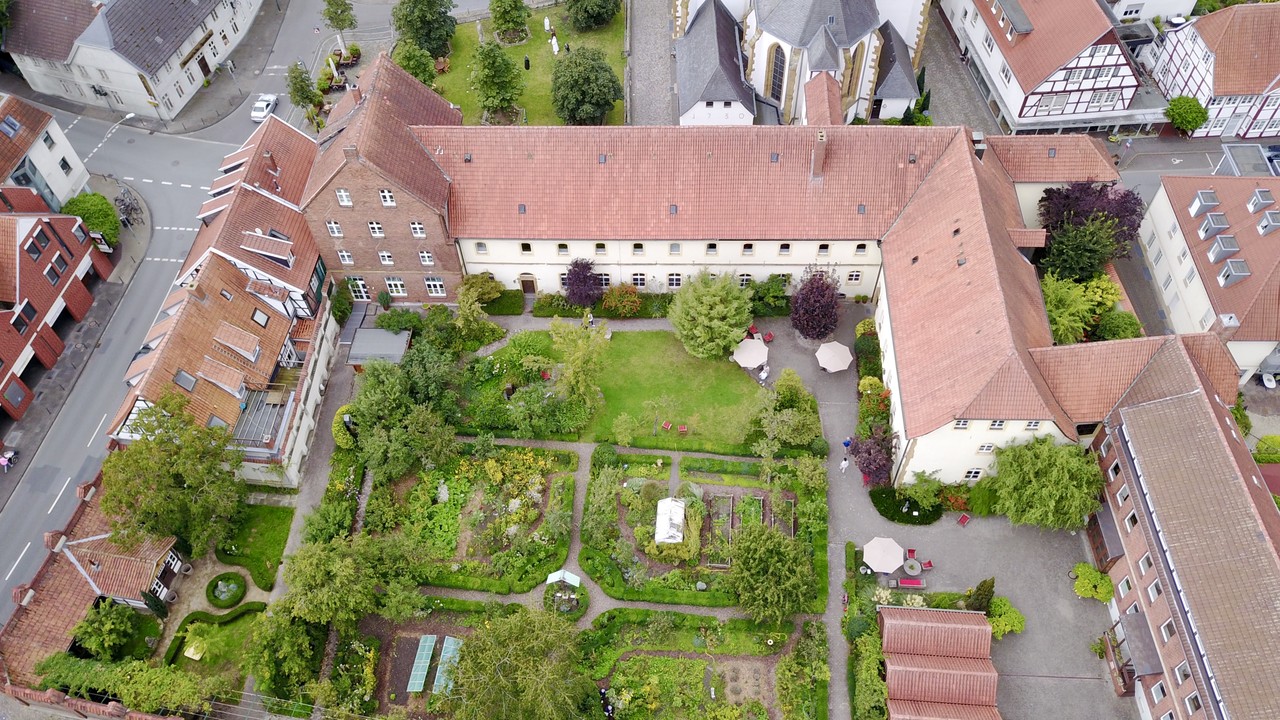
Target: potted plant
x,y
384,299
353,50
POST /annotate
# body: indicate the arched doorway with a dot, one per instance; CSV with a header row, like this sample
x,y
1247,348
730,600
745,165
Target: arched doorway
x,y
528,284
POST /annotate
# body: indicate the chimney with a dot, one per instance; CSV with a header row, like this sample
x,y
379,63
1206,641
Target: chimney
x,y
54,541
94,565
86,491
272,167
979,141
351,153
23,594
356,94
819,155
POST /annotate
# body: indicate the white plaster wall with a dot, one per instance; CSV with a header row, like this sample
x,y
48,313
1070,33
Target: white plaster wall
x,y
48,161
735,114
893,108
1249,355
1185,304
908,17
951,452
1029,195
1147,9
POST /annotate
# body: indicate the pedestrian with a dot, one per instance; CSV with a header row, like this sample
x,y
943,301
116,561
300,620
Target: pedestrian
x,y
591,319
848,443
844,465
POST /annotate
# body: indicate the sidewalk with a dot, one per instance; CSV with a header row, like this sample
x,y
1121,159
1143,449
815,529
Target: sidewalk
x,y
51,392
210,105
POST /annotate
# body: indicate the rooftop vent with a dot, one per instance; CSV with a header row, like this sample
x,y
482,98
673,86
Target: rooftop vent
x,y
466,158
862,209
673,209
1229,320
1269,222
1234,272
521,208
911,158
1053,152
1213,224
1261,198
1203,202
773,157
603,158
1223,247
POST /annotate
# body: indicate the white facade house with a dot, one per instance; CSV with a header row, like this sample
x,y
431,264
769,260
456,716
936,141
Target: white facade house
x,y
35,153
710,85
1230,62
1210,245
1051,65
147,57
1132,10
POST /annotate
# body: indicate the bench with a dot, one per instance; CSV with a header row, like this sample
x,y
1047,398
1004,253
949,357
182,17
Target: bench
x,y
666,425
911,582
684,430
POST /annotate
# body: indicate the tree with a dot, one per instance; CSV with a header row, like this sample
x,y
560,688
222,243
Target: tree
x,y
1077,202
771,574
1186,113
584,87
873,455
710,314
625,429
98,213
815,306
923,491
496,79
524,665
302,91
332,582
1045,484
105,629
590,14
339,16
1080,251
415,61
280,652
1069,310
6,7
1118,325
980,599
426,23
510,19
582,287
581,350
177,478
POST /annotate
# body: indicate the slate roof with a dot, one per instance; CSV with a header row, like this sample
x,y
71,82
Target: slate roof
x,y
47,29
822,51
31,120
895,78
1053,158
1062,30
1243,39
149,32
822,101
1215,517
709,60
797,21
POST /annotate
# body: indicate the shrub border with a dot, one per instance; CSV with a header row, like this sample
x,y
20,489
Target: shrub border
x,y
180,636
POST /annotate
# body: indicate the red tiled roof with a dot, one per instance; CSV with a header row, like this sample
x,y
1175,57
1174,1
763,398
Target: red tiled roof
x,y
915,710
935,632
1028,237
1089,378
940,679
939,661
1061,30
1243,39
32,121
227,378
822,100
22,199
1053,158
238,339
47,29
261,244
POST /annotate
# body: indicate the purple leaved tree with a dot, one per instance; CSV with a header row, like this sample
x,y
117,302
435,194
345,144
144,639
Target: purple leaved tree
x,y
1077,202
815,306
874,455
582,287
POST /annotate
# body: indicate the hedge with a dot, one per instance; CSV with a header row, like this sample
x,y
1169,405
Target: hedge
x,y
179,635
889,505
445,604
510,302
235,597
610,581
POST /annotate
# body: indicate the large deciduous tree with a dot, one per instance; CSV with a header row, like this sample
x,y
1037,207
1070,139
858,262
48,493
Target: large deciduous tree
x,y
710,314
280,651
98,214
427,23
105,629
591,14
414,60
524,665
176,478
582,287
1077,202
873,455
339,16
1186,113
1045,484
1080,251
510,19
496,78
581,350
815,306
584,87
302,89
771,574
1069,310
333,582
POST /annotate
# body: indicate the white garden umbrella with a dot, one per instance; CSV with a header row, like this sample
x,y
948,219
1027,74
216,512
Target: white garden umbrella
x,y
834,357
751,353
883,555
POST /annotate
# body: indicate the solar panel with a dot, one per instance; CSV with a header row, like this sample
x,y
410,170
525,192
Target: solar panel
x,y
448,658
421,663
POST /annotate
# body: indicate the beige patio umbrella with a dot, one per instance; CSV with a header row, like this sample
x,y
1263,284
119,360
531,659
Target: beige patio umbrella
x,y
882,554
833,357
751,353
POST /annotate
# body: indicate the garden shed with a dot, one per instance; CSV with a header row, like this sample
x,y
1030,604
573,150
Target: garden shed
x,y
669,526
372,344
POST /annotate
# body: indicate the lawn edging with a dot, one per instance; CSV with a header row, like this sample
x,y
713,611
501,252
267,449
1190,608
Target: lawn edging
x,y
180,635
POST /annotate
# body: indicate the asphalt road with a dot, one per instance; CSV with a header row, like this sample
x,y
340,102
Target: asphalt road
x,y
168,172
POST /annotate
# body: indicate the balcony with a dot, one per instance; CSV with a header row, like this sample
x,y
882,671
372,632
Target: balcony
x,y
1130,652
263,413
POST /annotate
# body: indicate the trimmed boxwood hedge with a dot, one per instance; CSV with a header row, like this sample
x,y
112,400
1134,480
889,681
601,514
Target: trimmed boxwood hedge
x,y
889,505
235,597
180,635
510,302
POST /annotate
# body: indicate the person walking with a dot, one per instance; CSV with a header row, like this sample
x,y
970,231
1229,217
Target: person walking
x,y
844,465
848,443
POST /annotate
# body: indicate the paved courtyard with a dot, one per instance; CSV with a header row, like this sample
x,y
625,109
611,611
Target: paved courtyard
x,y
955,99
651,69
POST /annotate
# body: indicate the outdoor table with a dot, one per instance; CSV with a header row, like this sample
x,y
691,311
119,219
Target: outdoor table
x,y
911,567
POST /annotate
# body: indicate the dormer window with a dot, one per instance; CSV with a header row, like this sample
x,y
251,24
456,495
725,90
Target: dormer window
x,y
1269,222
1203,202
1233,272
1261,198
1213,224
1224,246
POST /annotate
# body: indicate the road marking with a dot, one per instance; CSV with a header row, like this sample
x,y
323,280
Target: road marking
x,y
165,182
55,500
147,180
126,177
185,185
15,562
94,436
204,187
73,123
155,259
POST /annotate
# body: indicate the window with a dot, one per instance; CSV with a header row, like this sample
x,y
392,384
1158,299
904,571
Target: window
x,y
860,249
777,72
989,42
387,197
1151,239
417,229
960,425
562,249
1159,256
748,248
1004,72
344,197
599,248
184,380
1105,448
426,258
1131,520
359,290
855,276
1167,630
604,280
435,286
395,287
973,474
1114,470
1104,99
1122,495
48,140
1272,101
996,425
637,248
638,279
1124,586
784,249
190,78
1182,256
375,229
1193,703
225,294
1168,280
526,248
824,249
1154,590
482,248
345,257
64,166
674,280
1158,693
1182,672
1033,425
335,228
674,248
384,257
712,249
1167,716
1133,609
33,250
986,448
744,280
51,274
564,281
1132,10
1191,275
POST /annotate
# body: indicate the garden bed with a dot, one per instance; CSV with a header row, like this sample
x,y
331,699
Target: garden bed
x,y
223,646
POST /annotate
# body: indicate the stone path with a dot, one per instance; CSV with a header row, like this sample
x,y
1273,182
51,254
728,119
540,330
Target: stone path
x,y
955,99
651,67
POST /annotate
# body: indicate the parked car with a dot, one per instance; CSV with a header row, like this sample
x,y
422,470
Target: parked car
x,y
263,107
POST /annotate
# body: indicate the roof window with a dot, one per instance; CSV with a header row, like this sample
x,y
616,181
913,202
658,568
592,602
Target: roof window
x,y
9,126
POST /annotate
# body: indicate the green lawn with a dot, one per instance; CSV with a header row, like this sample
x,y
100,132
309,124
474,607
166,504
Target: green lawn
x,y
259,542
455,85
222,653
712,397
144,626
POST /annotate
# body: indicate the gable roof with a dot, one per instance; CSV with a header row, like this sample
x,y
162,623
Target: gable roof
x,y
709,60
938,664
1061,30
148,32
822,101
1089,378
373,125
916,710
1053,158
797,21
47,29
1255,300
31,123
955,633
941,679
1243,41
895,77
822,51
1214,517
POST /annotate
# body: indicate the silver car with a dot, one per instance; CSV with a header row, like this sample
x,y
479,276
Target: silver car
x,y
263,107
